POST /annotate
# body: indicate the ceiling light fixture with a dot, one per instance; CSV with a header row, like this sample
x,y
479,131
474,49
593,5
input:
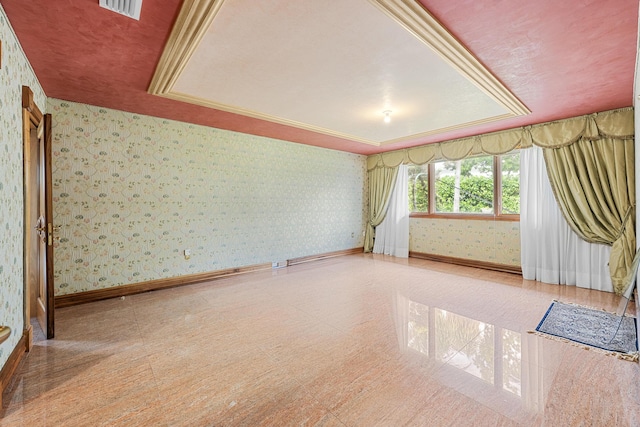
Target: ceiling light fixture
x,y
387,116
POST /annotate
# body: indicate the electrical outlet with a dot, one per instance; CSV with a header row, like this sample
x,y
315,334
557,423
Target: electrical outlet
x,y
187,253
353,235
278,264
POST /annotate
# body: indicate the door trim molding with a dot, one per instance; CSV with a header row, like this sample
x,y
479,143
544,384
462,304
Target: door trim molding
x,y
30,105
32,117
48,195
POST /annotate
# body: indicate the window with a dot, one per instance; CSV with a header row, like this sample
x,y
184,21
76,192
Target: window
x,y
419,188
510,183
465,186
476,186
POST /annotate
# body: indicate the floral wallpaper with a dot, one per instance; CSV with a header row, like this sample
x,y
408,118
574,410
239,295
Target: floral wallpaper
x,y
489,241
15,72
132,192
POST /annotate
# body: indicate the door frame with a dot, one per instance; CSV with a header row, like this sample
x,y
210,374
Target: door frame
x,y
32,117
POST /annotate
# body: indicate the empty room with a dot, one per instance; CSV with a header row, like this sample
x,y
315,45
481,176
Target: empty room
x,y
354,213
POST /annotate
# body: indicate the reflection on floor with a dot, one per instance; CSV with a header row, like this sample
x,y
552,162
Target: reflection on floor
x,y
38,333
494,357
357,341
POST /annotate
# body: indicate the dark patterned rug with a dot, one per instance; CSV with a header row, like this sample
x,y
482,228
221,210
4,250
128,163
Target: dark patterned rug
x,y
591,327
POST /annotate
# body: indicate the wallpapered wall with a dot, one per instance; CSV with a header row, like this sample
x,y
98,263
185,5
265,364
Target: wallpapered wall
x,y
15,72
132,192
489,241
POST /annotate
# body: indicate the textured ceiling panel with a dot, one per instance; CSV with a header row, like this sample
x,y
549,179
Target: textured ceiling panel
x,y
341,80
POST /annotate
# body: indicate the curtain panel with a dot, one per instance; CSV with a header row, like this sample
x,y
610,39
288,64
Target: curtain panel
x,y
392,235
381,182
551,251
594,185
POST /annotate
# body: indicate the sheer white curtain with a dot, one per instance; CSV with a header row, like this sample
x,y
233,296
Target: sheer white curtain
x,y
551,251
392,235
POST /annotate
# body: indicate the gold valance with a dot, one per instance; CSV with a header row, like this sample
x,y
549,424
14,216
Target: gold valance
x,y
614,123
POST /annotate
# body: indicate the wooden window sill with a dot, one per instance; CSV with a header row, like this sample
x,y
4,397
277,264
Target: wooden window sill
x,y
466,216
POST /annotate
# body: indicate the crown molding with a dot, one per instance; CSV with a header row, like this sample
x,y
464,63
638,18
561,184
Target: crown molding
x,y
179,96
449,128
418,21
193,21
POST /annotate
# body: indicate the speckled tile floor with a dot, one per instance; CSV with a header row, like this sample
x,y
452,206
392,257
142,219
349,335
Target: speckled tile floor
x,y
353,341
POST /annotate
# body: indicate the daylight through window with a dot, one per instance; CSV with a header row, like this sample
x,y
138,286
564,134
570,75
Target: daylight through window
x,y
479,186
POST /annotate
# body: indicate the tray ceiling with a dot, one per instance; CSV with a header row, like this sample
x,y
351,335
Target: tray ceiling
x,y
326,81
311,67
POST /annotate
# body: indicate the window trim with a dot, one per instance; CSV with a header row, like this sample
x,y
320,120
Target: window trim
x,y
497,198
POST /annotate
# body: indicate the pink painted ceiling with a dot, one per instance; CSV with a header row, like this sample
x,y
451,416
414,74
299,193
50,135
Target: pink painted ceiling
x,y
560,58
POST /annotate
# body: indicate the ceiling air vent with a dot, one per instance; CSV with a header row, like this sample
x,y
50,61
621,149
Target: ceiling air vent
x,y
130,8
